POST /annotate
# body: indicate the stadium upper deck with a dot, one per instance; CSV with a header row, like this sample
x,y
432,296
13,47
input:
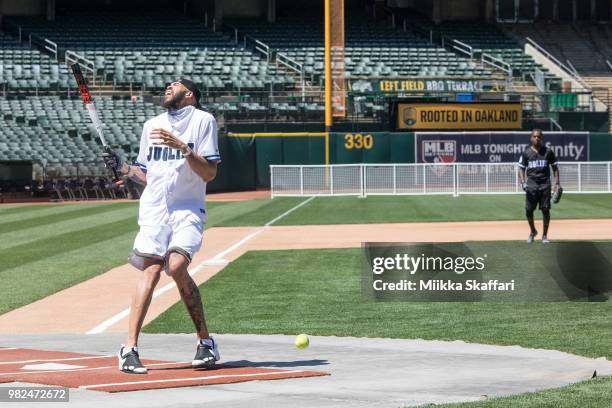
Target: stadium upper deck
x,y
154,49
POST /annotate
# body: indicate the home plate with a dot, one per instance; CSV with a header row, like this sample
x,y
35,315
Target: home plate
x,y
51,366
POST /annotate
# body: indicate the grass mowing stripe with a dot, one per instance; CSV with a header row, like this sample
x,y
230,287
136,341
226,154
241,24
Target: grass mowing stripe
x,y
44,210
14,209
25,253
394,209
257,212
221,216
37,211
44,276
58,218
49,231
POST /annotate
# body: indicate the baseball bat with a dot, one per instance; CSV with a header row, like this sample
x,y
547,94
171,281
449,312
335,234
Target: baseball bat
x,y
90,105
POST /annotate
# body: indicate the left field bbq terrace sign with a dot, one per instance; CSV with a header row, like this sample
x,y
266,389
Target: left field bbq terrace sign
x,y
405,86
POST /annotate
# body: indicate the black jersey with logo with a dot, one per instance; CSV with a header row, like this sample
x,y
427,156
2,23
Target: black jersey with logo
x,y
537,164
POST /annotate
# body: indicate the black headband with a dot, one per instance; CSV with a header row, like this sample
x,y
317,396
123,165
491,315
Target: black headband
x,y
192,87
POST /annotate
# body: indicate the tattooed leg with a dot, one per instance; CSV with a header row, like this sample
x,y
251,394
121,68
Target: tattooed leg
x,y
190,293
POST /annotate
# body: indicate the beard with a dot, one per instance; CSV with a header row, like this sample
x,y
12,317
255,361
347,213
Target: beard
x,y
175,101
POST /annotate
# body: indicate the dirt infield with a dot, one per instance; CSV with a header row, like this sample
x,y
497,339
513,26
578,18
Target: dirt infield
x,y
238,196
101,304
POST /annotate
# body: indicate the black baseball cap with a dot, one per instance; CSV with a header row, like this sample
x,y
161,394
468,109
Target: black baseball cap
x,y
194,89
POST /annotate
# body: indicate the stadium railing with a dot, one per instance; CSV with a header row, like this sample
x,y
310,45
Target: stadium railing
x,y
426,179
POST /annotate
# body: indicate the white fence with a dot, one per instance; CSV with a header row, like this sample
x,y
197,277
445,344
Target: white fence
x,y
422,179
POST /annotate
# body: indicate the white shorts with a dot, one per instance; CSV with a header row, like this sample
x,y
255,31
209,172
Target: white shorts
x,y
184,232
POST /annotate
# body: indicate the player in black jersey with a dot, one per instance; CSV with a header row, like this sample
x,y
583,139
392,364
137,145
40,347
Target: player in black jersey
x,y
534,175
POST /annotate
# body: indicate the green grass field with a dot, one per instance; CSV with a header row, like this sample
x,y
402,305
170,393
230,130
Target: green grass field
x,y
383,209
596,393
48,248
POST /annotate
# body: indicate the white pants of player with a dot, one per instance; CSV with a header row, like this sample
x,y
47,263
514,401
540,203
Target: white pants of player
x,y
184,232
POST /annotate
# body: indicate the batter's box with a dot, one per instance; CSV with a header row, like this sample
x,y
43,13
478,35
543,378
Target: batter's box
x,y
100,373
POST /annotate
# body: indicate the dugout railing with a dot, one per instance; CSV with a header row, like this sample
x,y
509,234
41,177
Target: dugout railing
x,y
426,179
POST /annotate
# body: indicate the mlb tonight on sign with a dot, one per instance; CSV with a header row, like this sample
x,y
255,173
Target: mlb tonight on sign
x,y
495,147
459,116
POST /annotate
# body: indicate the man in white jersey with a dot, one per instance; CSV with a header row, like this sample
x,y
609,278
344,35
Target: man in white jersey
x,y
178,156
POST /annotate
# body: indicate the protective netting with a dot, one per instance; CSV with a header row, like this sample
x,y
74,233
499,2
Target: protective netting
x,y
286,180
486,178
346,180
315,180
585,177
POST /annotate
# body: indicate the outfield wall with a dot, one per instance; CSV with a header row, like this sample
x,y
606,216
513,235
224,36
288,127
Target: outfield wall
x,y
600,148
247,156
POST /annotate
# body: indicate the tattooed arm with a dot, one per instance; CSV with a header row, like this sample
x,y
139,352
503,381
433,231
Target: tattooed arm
x,y
134,173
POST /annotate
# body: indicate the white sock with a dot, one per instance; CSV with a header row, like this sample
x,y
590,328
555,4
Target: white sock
x,y
127,350
208,342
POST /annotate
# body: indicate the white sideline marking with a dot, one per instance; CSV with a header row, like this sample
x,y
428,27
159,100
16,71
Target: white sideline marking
x,y
8,348
102,327
216,262
52,360
237,245
50,366
190,379
57,371
289,211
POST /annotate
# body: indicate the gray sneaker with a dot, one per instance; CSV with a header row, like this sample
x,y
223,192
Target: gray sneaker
x,y
129,361
207,354
545,239
531,237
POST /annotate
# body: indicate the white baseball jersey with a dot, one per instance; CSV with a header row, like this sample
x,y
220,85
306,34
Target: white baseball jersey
x,y
172,186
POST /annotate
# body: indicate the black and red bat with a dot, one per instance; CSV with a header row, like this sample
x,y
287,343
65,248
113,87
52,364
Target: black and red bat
x,y
90,105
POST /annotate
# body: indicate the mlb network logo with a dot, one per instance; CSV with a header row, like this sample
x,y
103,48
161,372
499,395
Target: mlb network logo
x,y
439,151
